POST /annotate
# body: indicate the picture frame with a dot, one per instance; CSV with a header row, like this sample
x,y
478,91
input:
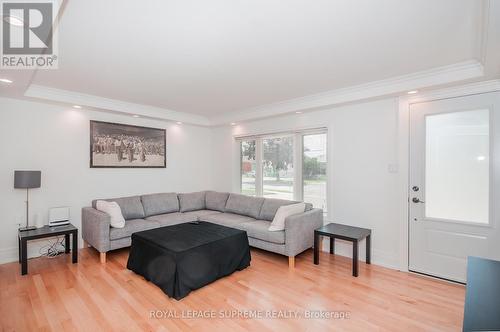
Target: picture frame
x,y
117,145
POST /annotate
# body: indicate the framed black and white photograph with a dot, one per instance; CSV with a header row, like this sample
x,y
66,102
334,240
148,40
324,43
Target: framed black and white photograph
x,y
119,145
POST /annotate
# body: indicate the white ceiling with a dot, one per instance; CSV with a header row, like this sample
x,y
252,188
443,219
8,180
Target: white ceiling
x,y
221,57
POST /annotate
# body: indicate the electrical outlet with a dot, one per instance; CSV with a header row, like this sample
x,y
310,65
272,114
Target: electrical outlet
x,y
393,168
19,220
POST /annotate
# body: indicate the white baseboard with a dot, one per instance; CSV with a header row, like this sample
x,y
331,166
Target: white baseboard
x,y
8,255
342,248
379,257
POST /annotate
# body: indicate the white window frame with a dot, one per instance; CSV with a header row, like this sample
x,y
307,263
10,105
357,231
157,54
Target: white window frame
x,y
298,155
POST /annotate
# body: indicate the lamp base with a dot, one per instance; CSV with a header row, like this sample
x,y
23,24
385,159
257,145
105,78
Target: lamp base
x,y
27,228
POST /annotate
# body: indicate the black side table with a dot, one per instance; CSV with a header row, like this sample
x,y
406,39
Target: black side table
x,y
344,232
45,232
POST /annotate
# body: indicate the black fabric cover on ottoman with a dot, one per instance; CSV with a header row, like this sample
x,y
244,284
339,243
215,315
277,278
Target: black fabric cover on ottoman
x,y
184,257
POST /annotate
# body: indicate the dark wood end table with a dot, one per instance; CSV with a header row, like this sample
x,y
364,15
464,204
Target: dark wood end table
x,y
344,232
45,232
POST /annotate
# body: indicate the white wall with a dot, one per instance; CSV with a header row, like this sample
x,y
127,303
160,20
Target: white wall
x,y
55,140
362,145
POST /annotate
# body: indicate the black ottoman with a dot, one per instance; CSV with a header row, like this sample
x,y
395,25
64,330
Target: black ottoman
x,y
184,257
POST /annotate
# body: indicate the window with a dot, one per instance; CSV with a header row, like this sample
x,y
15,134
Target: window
x,y
290,166
314,169
277,163
248,167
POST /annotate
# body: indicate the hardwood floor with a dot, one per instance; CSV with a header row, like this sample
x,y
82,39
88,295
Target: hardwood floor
x,y
89,296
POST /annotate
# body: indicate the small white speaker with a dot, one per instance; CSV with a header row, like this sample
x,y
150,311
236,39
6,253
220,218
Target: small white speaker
x,y
59,216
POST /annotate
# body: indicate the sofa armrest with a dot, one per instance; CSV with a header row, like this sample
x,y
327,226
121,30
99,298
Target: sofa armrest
x,y
299,231
95,228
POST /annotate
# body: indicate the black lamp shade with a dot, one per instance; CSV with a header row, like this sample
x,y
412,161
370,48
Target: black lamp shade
x,y
27,179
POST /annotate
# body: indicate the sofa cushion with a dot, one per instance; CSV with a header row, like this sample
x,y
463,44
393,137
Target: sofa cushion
x,y
227,219
113,210
199,213
258,229
160,203
271,206
278,223
192,201
172,218
131,226
244,205
131,206
216,200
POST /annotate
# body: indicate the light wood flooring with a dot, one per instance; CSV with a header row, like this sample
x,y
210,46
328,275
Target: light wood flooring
x,y
59,296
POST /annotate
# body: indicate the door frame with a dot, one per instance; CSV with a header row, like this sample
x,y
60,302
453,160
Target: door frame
x,y
403,150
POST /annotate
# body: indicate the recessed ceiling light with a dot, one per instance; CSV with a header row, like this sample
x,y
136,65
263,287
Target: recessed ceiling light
x,y
298,112
14,20
233,123
179,123
4,80
412,92
77,106
136,116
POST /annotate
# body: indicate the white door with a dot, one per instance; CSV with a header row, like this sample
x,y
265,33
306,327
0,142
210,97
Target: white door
x,y
454,193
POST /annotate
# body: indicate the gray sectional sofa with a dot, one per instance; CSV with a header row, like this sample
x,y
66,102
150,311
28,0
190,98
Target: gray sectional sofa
x,y
251,214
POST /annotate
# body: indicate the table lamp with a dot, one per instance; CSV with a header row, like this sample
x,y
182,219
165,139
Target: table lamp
x,y
27,180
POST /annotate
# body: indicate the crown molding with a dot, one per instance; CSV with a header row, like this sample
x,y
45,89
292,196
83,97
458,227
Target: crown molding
x,y
393,86
487,66
112,105
456,91
388,87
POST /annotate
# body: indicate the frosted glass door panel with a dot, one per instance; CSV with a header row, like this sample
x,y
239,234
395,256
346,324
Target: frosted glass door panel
x,y
457,166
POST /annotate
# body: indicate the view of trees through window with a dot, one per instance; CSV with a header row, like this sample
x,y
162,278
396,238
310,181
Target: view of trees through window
x,y
314,170
248,168
277,178
277,164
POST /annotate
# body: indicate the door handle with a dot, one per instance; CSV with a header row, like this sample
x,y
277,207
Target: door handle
x,y
416,200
